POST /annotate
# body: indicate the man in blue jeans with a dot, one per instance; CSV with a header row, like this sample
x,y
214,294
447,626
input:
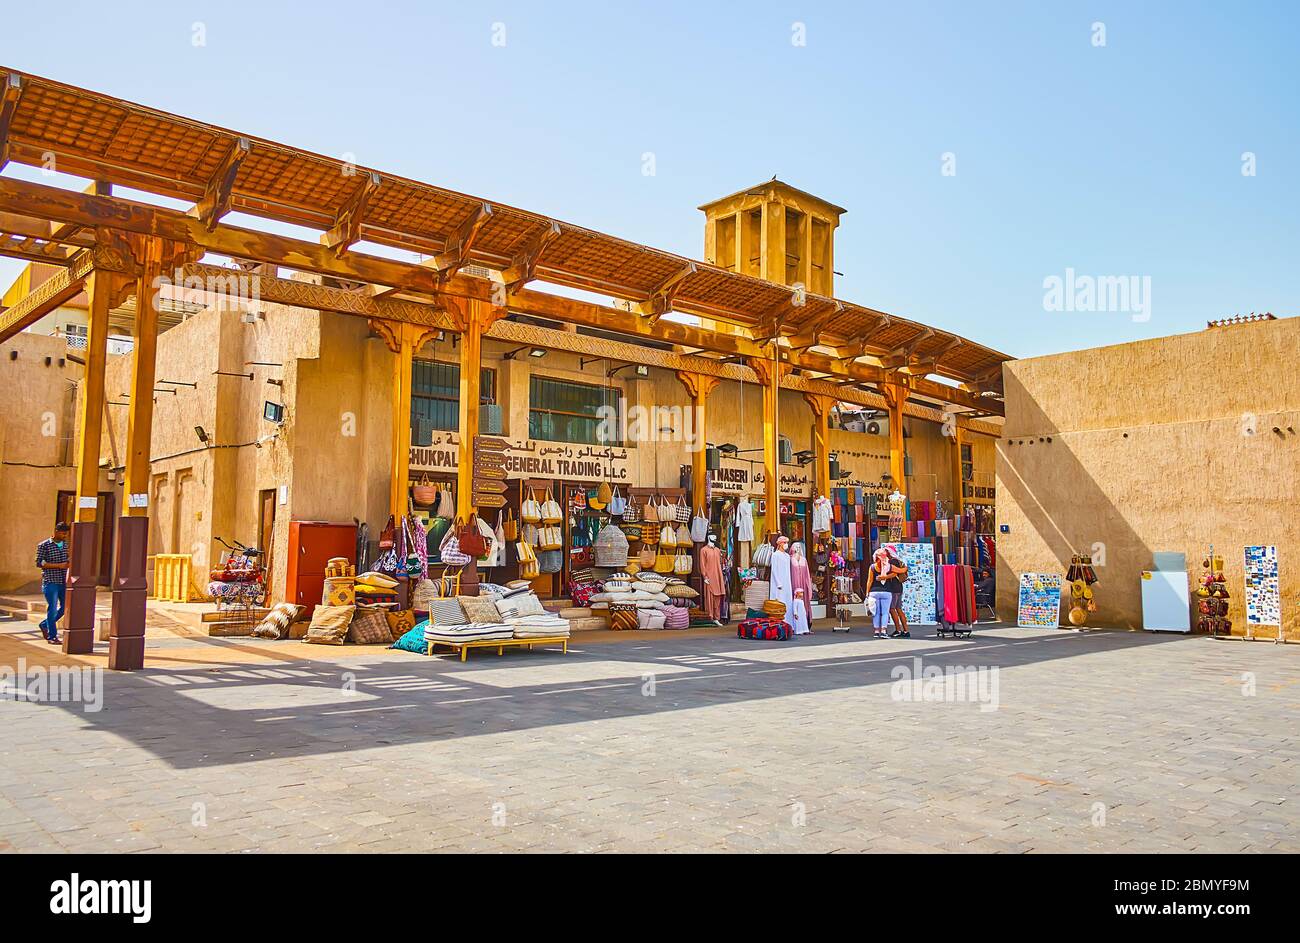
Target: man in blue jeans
x,y
52,558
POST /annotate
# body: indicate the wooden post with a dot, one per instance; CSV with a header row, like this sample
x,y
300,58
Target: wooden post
x,y
473,322
130,579
769,373
895,398
699,386
820,404
958,496
404,340
83,576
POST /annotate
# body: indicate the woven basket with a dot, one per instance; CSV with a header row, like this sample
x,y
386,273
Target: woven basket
x,y
611,547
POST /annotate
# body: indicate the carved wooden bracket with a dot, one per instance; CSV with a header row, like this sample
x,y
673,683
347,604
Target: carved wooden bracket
x,y
698,385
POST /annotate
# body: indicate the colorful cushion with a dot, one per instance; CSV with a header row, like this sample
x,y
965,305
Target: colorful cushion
x,y
413,640
399,622
277,621
329,625
479,608
369,627
446,612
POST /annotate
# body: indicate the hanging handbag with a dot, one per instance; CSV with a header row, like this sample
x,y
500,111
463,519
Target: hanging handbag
x,y
551,511
450,552
649,534
424,492
388,536
668,537
617,503
492,555
631,511
646,558
550,538
447,504
682,510
550,561
683,536
763,555
508,525
651,511
528,568
664,562
699,528
683,564
528,533
530,512
470,537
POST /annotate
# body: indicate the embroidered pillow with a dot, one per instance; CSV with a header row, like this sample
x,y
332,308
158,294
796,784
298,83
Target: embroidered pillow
x,y
277,621
480,608
329,625
369,627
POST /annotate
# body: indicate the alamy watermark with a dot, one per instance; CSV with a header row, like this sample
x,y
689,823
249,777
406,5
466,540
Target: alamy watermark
x,y
59,684
1123,294
947,684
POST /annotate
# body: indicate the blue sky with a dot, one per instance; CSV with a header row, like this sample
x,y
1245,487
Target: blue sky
x,y
1122,159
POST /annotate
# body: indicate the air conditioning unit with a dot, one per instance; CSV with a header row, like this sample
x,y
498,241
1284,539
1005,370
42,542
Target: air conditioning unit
x,y
489,419
877,426
422,433
835,468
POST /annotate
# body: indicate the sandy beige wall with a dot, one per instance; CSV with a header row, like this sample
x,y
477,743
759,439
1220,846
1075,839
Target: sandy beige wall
x,y
1151,451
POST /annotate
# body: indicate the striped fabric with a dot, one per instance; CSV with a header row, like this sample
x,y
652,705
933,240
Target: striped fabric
x,y
446,612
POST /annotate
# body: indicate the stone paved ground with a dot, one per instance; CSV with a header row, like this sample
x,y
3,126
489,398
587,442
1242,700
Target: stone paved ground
x,y
1100,742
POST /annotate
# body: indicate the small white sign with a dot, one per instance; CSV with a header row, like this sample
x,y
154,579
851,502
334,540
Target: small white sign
x,y
284,494
91,502
137,500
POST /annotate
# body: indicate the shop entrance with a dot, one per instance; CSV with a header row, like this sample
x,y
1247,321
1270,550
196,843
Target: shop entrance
x,y
66,510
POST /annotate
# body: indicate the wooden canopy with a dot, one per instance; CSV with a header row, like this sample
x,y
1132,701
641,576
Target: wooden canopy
x,y
112,141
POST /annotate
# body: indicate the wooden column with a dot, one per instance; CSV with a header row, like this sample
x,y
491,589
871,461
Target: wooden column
x,y
820,404
895,398
104,289
130,579
404,340
473,318
769,374
699,386
958,498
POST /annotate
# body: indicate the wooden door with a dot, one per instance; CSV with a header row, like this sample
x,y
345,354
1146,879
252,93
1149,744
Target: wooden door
x,y
266,532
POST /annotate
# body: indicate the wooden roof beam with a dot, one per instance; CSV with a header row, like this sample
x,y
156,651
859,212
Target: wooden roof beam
x,y
811,335
932,360
853,351
901,356
10,92
523,269
347,224
660,300
456,255
216,195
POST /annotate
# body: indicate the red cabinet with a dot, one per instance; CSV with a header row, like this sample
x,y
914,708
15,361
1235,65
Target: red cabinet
x,y
311,545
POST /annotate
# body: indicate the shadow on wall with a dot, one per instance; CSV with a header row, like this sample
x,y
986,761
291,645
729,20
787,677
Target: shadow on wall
x,y
1055,509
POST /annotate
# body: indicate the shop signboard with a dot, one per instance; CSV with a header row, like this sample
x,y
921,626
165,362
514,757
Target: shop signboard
x,y
529,458
737,476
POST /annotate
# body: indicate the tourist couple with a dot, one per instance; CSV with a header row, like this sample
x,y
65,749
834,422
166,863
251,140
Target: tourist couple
x,y
885,590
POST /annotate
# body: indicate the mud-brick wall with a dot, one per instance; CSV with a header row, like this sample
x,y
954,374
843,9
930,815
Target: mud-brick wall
x,y
1161,445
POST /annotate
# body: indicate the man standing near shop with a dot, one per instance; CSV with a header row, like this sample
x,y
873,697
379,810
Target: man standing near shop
x,y
52,558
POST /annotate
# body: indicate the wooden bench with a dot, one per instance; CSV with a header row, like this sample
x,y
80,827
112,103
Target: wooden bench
x,y
501,644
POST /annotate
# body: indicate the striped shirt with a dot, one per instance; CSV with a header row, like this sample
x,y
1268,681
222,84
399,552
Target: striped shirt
x,y
48,551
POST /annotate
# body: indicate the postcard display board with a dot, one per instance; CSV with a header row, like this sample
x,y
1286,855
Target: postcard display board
x,y
1263,594
1040,600
918,588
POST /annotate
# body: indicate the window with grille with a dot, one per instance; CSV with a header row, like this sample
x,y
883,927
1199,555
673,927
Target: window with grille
x,y
435,394
563,411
